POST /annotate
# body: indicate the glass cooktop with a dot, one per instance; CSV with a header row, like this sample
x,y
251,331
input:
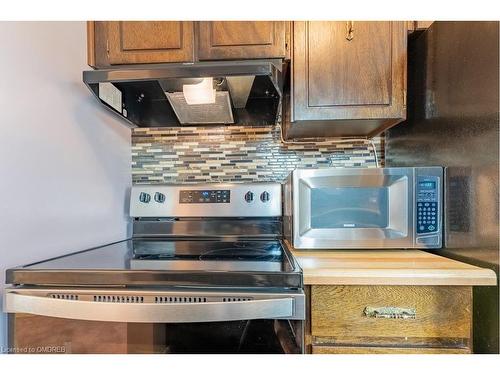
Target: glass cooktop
x,y
167,262
209,255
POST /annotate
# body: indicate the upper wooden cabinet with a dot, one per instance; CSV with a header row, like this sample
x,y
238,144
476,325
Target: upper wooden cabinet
x,y
143,42
133,42
220,40
348,78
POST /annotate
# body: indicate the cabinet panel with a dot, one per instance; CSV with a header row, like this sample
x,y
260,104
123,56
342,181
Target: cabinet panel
x,y
348,78
353,72
321,349
219,40
150,35
358,312
132,42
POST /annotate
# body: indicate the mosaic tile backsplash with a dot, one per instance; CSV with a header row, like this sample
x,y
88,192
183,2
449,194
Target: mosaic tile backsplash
x,y
236,153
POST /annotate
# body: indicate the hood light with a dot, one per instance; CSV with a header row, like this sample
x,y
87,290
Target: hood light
x,y
200,93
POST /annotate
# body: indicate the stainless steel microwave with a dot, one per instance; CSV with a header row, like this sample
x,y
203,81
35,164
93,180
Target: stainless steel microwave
x,y
363,208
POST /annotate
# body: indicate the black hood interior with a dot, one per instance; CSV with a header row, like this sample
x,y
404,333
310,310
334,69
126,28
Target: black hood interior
x,y
140,99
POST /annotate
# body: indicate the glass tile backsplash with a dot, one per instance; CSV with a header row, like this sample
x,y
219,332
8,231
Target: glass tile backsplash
x,y
237,153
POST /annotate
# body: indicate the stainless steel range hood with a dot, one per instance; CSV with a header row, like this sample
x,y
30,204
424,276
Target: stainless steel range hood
x,y
207,93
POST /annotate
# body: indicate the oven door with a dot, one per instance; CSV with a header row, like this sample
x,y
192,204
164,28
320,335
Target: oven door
x,y
67,320
353,208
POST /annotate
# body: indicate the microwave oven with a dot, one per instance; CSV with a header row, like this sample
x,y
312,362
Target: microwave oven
x,y
363,208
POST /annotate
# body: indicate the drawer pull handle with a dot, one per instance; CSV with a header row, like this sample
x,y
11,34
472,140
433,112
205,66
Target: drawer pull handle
x,y
350,30
390,312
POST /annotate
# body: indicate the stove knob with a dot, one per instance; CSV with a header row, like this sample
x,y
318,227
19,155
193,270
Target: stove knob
x,y
159,197
249,197
144,197
265,196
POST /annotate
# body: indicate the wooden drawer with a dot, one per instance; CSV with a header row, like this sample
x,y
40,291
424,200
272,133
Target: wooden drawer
x,y
347,314
323,349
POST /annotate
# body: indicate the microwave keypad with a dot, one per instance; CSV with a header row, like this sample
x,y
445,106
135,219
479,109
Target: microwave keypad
x,y
427,219
427,205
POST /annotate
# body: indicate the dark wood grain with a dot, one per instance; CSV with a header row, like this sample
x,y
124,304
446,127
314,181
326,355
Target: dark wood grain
x,y
98,44
308,339
134,42
320,349
440,311
345,73
338,82
226,40
339,326
396,341
91,43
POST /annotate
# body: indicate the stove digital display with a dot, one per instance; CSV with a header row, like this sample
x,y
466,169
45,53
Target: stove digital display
x,y
205,196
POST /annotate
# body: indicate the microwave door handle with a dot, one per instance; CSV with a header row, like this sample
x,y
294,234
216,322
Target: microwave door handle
x,y
149,312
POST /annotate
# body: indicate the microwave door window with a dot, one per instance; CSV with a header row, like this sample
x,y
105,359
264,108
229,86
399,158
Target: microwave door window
x,y
349,207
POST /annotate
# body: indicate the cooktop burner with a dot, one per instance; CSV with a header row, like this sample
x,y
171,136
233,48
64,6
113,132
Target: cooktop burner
x,y
209,255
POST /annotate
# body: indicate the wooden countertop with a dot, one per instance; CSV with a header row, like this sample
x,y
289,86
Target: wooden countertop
x,y
387,267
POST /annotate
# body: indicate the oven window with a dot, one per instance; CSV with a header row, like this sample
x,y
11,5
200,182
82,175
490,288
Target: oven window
x,y
349,207
242,336
259,336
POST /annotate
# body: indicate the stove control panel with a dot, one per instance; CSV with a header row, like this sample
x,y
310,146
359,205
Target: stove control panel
x,y
205,196
206,200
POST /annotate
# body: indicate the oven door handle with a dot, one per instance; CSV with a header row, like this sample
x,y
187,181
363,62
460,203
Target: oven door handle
x,y
278,308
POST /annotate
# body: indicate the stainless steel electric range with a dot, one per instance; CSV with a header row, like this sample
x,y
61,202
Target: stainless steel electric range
x,y
206,271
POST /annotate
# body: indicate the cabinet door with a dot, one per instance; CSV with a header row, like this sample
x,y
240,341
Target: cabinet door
x,y
349,70
226,40
135,42
322,349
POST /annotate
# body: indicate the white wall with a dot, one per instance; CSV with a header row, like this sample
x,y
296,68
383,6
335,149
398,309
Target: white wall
x,y
64,160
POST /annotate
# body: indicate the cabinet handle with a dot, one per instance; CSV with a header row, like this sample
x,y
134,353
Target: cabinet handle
x,y
350,30
390,312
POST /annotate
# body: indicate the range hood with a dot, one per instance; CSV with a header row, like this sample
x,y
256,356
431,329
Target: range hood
x,y
206,93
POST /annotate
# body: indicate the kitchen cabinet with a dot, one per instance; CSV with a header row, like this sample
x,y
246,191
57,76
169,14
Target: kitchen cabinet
x,y
388,301
390,319
323,349
136,42
226,40
348,78
143,42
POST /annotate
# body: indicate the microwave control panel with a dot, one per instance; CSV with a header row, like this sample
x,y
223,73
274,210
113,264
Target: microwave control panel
x,y
427,195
